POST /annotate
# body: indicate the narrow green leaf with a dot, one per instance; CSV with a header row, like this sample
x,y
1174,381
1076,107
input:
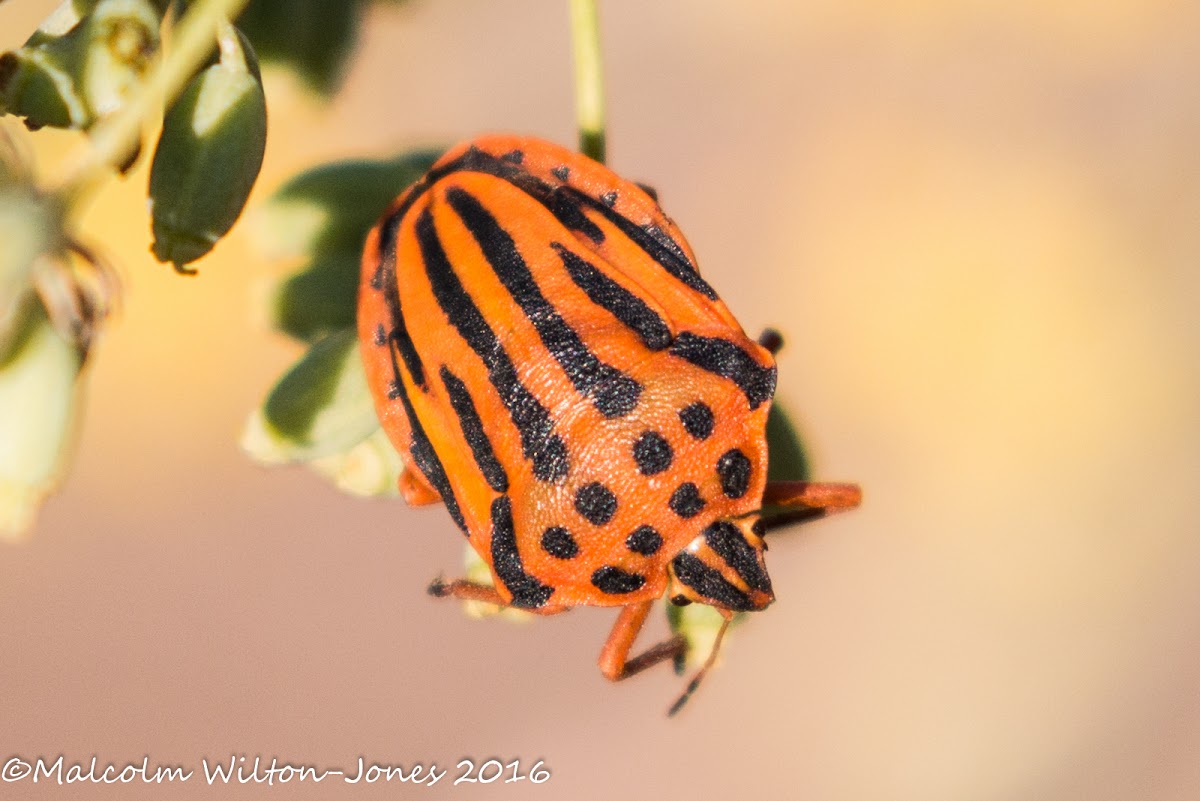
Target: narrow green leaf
x,y
321,406
314,38
208,156
325,213
310,304
334,205
787,459
38,394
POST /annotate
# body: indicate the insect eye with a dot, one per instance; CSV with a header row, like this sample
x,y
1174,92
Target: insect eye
x,y
759,528
680,600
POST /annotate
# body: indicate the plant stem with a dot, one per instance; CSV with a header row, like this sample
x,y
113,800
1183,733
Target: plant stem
x,y
113,138
589,78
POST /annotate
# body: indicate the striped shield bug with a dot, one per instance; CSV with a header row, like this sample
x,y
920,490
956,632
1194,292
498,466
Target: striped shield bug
x,y
552,367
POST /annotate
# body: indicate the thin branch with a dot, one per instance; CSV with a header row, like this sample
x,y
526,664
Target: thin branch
x,y
113,138
589,78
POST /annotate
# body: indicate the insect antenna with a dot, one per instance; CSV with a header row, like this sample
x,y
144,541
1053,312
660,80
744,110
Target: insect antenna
x,y
789,502
696,679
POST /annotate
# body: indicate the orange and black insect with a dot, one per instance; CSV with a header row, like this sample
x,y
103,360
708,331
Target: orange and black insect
x,y
548,360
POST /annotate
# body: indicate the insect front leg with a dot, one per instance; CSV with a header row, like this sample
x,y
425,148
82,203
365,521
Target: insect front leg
x,y
465,590
615,663
416,490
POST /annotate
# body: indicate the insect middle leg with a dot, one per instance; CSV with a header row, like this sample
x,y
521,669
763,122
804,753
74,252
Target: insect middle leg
x,y
465,590
615,663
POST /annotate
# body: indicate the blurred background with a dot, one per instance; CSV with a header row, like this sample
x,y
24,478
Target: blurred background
x,y
976,226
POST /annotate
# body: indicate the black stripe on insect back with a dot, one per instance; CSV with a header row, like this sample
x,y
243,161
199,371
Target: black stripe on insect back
x,y
425,457
567,204
690,570
563,206
527,591
653,240
472,429
391,296
728,360
614,393
606,293
539,443
727,542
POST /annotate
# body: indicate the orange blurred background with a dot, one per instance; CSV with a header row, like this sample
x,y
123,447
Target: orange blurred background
x,y
977,225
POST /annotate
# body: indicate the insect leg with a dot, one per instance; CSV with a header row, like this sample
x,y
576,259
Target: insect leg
x,y
700,674
465,590
615,663
771,339
415,490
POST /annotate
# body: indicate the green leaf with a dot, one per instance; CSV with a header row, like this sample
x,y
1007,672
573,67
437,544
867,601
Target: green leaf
x,y
786,456
38,395
320,407
310,304
326,213
314,38
41,83
81,63
369,469
28,230
334,205
209,155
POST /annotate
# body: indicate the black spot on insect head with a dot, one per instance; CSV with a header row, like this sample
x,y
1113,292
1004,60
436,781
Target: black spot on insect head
x,y
559,543
473,432
527,591
644,540
615,581
609,199
539,443
727,542
726,359
708,583
606,293
686,501
734,469
596,503
652,453
698,420
561,172
613,393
